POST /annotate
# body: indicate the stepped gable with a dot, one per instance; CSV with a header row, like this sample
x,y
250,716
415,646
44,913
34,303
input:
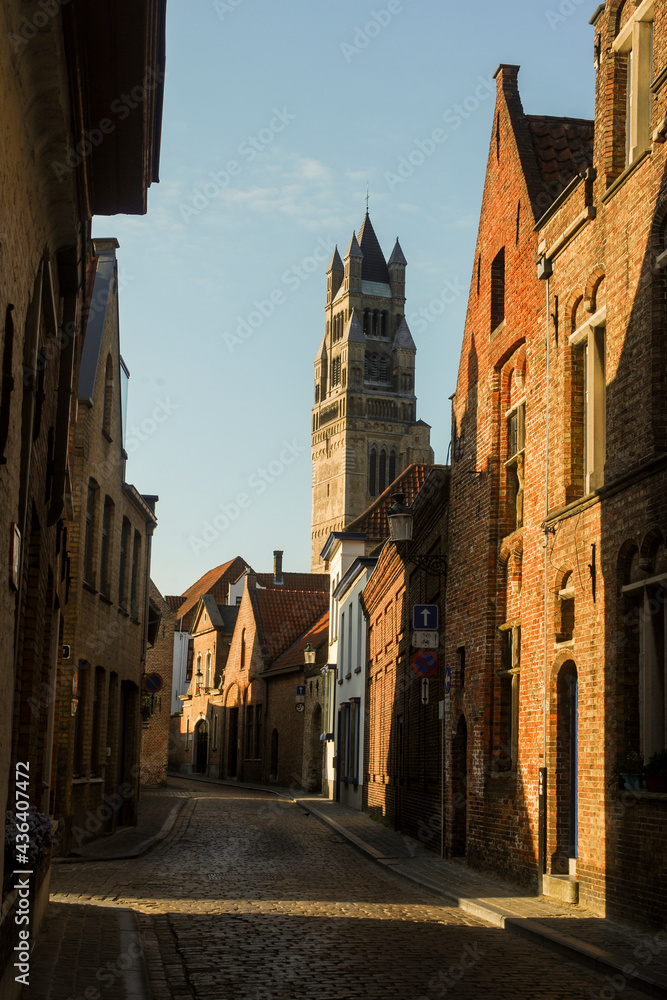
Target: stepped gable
x,y
215,582
373,522
374,267
317,634
283,615
311,582
563,148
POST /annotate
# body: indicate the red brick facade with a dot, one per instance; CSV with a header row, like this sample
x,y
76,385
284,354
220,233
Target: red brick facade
x,y
403,736
556,589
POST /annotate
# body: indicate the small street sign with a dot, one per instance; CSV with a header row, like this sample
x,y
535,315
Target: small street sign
x,y
424,690
301,690
425,616
425,663
448,679
426,640
300,707
152,683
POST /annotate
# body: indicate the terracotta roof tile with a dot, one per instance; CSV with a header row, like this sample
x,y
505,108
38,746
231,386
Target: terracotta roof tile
x,y
317,634
295,581
563,148
215,582
374,520
284,615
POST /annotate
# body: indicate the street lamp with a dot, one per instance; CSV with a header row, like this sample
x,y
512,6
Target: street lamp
x,y
309,654
400,519
198,677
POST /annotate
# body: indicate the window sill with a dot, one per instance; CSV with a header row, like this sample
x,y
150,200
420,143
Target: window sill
x,y
643,795
123,611
564,644
357,670
623,177
348,676
498,329
107,600
105,434
90,587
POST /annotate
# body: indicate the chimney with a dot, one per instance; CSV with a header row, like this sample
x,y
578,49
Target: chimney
x,y
278,567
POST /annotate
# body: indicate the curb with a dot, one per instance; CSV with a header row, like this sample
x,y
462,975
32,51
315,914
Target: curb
x,y
585,954
139,851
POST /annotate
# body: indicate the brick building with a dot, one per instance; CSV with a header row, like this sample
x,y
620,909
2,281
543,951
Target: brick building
x,y
106,622
349,557
54,73
224,727
365,428
403,729
156,705
556,592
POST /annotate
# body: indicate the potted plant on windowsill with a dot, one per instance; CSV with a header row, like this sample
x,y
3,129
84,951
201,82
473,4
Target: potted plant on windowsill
x,y
629,770
656,772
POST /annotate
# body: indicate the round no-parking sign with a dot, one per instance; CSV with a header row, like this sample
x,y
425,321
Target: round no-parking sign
x,y
425,663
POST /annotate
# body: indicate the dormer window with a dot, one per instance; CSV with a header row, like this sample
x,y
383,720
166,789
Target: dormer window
x,y
635,41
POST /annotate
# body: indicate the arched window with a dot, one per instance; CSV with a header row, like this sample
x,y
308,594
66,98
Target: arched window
x,y
243,649
367,322
207,675
372,466
367,368
383,471
384,328
383,369
374,368
565,610
392,466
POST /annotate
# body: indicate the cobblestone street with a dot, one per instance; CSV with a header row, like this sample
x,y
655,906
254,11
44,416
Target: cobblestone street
x,y
250,897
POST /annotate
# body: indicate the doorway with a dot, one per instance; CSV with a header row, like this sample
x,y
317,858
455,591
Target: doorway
x,y
567,792
201,747
233,744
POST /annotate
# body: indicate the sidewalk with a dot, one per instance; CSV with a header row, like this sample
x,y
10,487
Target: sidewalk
x,y
629,957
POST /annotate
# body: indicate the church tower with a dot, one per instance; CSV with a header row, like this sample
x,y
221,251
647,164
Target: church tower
x,y
365,427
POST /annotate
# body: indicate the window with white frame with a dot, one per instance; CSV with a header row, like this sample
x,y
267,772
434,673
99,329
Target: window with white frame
x,y
589,339
514,465
348,741
635,42
207,675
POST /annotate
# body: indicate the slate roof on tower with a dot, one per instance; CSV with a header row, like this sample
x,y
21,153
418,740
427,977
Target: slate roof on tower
x,y
374,267
397,255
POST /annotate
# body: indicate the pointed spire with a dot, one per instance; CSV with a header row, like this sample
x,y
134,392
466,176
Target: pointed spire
x,y
353,250
375,266
322,353
397,255
335,264
353,334
403,338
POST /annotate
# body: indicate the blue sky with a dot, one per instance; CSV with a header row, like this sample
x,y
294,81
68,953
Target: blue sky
x,y
276,116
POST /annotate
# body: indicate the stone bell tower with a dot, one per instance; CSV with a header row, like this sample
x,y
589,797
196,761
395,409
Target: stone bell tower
x,y
365,430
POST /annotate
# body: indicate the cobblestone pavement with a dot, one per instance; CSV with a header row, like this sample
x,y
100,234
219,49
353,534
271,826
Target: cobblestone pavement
x,y
251,898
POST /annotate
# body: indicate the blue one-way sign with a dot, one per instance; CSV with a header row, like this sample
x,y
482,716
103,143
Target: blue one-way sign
x,y
425,616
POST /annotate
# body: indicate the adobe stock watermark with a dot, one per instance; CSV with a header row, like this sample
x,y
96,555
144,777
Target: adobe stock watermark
x,y
454,118
378,20
224,7
257,483
264,308
30,26
121,108
450,292
248,150
565,10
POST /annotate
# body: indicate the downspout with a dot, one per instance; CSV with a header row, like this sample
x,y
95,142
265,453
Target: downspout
x,y
544,271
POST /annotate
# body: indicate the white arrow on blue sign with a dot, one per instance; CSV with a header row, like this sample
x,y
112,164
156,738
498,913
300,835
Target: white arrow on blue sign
x,y
425,616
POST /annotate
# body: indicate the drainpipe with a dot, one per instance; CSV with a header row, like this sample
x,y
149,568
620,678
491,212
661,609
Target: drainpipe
x,y
544,272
